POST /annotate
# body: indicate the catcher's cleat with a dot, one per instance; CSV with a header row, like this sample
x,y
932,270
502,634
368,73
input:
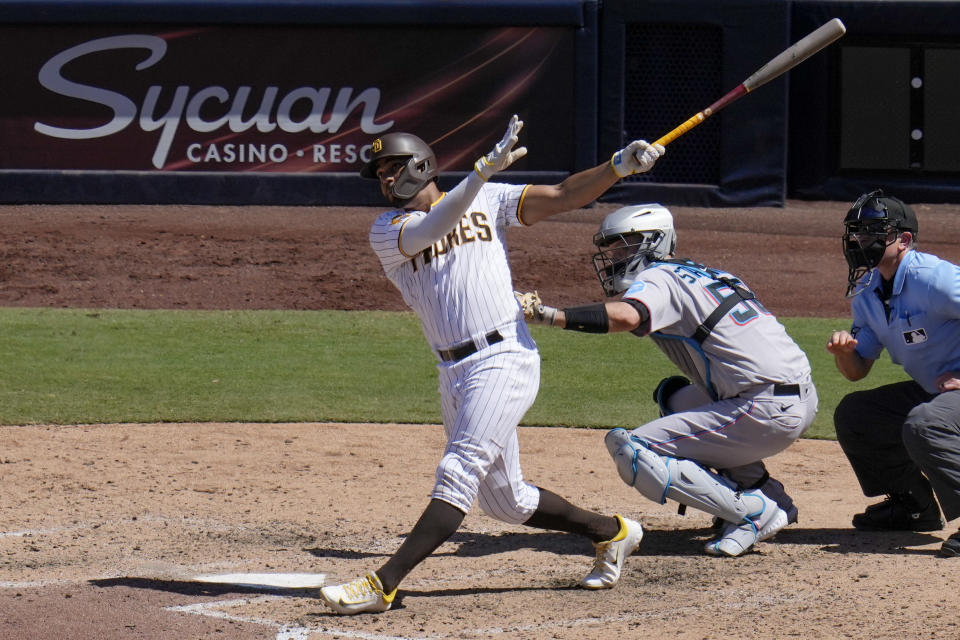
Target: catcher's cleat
x,y
793,516
363,595
772,528
612,554
735,539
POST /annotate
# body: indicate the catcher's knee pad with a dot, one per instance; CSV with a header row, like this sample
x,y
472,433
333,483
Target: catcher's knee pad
x,y
637,465
666,388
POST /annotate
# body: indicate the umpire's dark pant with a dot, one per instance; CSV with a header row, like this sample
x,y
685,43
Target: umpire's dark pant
x,y
896,434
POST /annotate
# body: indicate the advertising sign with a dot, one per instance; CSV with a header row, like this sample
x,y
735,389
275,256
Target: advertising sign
x,y
291,99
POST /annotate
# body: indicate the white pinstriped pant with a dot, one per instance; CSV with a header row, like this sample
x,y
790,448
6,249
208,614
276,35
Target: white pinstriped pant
x,y
483,398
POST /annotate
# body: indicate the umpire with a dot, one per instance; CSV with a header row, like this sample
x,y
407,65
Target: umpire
x,y
902,439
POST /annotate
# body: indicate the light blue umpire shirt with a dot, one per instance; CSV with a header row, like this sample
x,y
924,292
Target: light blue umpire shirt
x,y
923,330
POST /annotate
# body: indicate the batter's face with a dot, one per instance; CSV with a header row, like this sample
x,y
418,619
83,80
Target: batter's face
x,y
388,169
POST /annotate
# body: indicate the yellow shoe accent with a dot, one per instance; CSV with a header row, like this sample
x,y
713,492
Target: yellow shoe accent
x,y
362,595
623,529
387,597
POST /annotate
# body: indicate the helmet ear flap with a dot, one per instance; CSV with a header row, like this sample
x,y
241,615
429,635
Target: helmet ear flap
x,y
417,174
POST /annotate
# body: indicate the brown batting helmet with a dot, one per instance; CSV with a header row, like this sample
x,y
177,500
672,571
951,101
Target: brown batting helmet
x,y
420,170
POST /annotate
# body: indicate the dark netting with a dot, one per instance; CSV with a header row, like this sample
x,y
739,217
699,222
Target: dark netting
x,y
672,72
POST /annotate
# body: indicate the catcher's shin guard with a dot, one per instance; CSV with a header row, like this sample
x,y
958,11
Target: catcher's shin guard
x,y
661,477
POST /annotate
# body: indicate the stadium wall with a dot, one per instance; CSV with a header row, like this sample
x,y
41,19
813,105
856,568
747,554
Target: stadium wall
x,y
877,112
277,102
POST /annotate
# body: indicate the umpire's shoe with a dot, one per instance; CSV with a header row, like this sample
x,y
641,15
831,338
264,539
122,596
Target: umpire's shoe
x,y
899,513
363,595
951,546
612,554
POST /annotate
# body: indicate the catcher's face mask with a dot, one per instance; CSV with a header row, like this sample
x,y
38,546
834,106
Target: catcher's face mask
x,y
619,259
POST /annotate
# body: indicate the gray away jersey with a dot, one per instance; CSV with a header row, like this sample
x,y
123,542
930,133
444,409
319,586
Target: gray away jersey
x,y
748,346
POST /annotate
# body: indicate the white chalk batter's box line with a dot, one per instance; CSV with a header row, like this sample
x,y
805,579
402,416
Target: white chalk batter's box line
x,y
284,632
287,632
43,532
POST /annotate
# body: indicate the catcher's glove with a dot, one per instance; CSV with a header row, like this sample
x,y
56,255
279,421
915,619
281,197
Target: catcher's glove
x,y
533,308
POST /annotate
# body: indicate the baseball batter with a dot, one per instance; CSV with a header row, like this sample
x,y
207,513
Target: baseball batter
x,y
745,394
447,254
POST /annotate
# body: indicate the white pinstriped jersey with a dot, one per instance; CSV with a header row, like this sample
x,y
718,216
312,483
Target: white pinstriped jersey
x,y
748,346
461,287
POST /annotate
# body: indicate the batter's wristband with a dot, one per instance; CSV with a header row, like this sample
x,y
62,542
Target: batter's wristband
x,y
480,165
590,318
616,162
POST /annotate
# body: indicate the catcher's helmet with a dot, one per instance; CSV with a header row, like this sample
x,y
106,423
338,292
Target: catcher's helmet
x,y
421,166
629,239
872,224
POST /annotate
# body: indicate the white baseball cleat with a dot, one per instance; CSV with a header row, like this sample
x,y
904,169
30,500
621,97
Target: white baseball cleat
x,y
612,554
778,522
363,595
735,539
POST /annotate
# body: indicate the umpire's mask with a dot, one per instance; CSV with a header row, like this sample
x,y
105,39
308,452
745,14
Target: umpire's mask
x,y
872,224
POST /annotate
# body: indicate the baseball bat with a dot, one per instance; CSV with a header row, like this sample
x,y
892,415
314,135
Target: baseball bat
x,y
786,60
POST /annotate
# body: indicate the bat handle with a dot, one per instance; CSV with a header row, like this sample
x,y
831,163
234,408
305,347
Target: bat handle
x,y
732,95
682,129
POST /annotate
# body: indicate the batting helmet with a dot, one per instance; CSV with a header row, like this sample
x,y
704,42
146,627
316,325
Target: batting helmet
x,y
872,224
420,170
629,239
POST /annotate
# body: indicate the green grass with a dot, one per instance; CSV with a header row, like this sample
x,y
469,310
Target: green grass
x,y
83,366
69,366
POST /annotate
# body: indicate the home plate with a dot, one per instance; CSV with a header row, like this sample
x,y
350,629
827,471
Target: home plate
x,y
269,580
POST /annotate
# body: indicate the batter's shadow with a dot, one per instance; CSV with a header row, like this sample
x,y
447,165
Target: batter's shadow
x,y
656,542
476,545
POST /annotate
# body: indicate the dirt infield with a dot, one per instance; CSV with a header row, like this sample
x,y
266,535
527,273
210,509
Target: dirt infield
x,y
104,528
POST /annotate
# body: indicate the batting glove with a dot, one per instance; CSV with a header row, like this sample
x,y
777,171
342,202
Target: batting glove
x,y
534,310
503,154
637,157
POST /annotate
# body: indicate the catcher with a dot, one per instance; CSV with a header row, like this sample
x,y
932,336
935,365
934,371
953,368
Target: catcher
x,y
746,393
